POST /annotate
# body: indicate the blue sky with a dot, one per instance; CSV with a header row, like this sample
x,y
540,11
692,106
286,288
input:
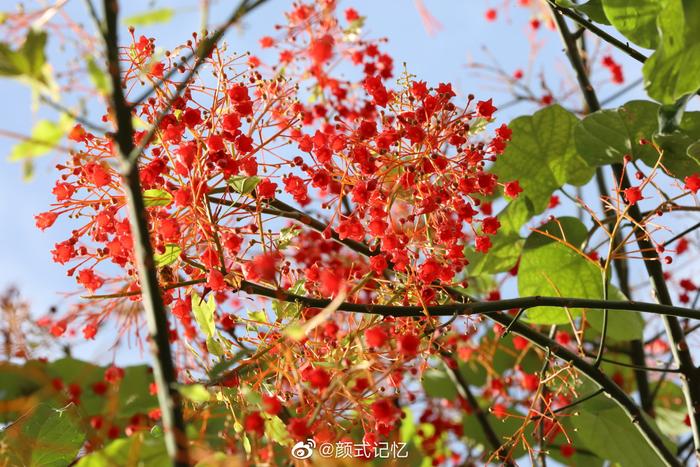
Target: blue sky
x,y
25,256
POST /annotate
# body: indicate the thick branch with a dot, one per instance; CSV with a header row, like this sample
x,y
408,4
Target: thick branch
x,y
169,398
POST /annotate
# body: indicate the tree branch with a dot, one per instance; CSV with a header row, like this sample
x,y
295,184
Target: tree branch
x,y
598,32
169,398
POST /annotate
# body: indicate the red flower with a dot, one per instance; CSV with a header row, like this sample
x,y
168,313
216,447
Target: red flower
x,y
271,404
298,428
520,343
63,191
45,219
266,189
215,280
567,450
632,195
319,378
485,109
378,264
89,331
692,183
385,412
114,374
408,344
96,174
530,382
321,49
512,189
376,336
490,225
255,423
499,411
482,244
88,279
491,14
99,388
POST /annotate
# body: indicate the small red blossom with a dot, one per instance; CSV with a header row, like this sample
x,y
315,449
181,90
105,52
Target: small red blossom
x,y
692,183
376,336
512,189
254,423
114,374
408,344
45,219
215,280
319,378
485,109
632,195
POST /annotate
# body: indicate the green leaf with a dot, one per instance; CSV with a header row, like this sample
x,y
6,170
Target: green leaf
x,y
606,136
551,268
204,313
134,394
194,392
160,15
169,256
542,155
679,154
156,197
44,138
276,430
674,69
98,77
436,383
287,234
46,437
28,62
607,431
142,448
242,184
214,346
622,325
635,19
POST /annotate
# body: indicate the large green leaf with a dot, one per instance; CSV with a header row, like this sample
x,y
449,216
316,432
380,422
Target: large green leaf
x,y
553,268
674,69
605,430
635,19
542,155
46,437
134,394
606,136
679,157
622,325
